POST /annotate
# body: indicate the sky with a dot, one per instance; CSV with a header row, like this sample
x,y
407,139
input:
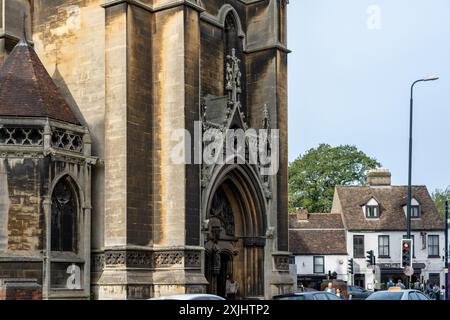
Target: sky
x,y
350,71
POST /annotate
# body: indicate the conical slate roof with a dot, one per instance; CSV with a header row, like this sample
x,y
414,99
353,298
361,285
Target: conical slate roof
x,y
27,90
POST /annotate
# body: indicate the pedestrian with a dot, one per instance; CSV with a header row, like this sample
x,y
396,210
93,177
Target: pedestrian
x,y
232,288
350,297
417,285
302,288
400,284
338,293
443,293
436,292
422,287
330,288
429,290
389,284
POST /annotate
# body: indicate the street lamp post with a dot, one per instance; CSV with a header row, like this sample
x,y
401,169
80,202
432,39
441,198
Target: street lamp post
x,y
408,208
446,250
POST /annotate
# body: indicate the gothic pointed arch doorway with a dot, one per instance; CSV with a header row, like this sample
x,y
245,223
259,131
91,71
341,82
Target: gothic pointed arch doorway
x,y
235,241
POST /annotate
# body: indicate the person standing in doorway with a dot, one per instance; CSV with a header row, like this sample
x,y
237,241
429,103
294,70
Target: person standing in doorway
x,y
232,288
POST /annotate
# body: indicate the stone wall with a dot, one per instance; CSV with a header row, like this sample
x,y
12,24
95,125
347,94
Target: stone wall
x,y
26,186
20,289
69,37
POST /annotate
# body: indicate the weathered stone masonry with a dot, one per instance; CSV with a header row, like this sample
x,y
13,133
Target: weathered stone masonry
x,y
132,71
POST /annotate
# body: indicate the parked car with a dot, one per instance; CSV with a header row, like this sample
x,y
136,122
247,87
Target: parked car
x,y
189,297
310,295
358,293
397,294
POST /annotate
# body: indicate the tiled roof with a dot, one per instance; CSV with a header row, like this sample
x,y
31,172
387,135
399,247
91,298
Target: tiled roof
x,y
27,90
317,221
317,242
392,200
317,234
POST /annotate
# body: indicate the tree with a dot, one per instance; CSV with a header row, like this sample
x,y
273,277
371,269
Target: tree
x,y
313,176
439,196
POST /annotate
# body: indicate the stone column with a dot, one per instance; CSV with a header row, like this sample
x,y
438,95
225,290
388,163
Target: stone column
x,y
128,219
177,186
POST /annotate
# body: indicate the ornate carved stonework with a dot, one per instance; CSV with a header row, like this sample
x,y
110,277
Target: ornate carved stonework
x,y
139,259
281,262
98,262
63,139
192,259
224,113
168,259
21,136
133,258
115,258
145,259
221,209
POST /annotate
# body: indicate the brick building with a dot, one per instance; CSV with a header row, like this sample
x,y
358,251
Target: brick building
x,y
98,139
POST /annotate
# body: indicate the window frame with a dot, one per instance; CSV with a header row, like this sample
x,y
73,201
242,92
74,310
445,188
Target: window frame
x,y
419,212
433,245
58,240
355,253
315,265
376,209
384,246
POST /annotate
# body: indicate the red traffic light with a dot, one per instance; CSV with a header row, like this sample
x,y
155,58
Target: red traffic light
x,y
405,245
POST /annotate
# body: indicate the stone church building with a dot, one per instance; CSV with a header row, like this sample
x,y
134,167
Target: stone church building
x,y
92,204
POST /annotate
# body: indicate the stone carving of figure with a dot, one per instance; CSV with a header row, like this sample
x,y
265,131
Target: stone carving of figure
x,y
229,77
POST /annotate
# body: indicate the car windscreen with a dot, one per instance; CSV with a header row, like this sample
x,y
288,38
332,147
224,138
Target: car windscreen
x,y
385,295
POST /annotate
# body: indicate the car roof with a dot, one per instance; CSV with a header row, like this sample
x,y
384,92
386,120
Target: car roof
x,y
188,296
307,293
399,290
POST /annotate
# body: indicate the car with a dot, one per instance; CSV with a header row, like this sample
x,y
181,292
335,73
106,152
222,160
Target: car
x,y
189,297
398,294
310,295
358,293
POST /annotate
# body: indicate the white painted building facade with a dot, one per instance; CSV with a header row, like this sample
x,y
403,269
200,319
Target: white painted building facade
x,y
364,218
309,265
428,266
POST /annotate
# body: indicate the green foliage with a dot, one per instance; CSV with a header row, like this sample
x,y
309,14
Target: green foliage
x,y
439,196
313,176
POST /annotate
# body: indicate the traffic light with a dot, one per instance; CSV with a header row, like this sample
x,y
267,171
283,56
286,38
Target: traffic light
x,y
350,266
370,258
406,252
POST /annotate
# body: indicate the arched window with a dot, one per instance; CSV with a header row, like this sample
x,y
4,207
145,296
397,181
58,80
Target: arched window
x,y
64,217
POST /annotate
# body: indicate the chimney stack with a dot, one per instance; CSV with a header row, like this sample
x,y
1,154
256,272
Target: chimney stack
x,y
379,177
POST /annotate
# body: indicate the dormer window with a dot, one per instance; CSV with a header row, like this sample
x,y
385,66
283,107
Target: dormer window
x,y
416,210
372,209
